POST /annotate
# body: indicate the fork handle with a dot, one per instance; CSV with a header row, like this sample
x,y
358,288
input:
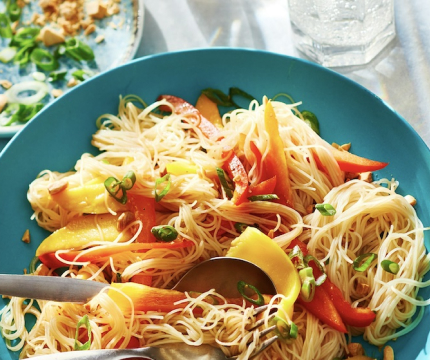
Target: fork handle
x,y
152,353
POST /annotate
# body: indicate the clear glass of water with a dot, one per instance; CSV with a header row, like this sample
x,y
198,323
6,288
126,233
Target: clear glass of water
x,y
342,32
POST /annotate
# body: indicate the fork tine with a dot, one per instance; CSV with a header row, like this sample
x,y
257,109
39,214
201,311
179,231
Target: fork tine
x,y
264,345
261,322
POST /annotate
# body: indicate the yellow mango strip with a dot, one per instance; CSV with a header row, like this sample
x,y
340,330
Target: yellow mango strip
x,y
80,231
181,168
254,246
90,198
145,298
209,110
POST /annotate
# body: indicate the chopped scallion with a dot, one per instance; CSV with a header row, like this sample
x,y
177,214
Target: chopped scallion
x,y
5,29
284,330
222,99
81,74
244,287
118,189
14,11
308,284
57,75
265,197
226,182
311,119
325,209
362,262
78,50
44,60
84,321
165,233
165,190
7,54
390,266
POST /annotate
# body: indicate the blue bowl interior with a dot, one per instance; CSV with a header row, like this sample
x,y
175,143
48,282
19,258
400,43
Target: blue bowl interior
x,y
58,136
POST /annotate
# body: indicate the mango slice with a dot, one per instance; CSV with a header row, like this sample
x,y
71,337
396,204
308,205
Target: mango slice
x,y
90,198
80,231
258,248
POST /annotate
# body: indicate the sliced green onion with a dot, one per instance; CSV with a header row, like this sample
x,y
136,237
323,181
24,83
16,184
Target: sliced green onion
x,y
165,233
311,119
241,227
22,57
390,266
79,74
21,113
44,60
57,75
115,187
222,99
325,209
38,76
118,277
26,37
36,91
14,11
5,29
33,263
296,254
226,182
362,262
7,54
78,50
84,321
308,284
243,287
322,278
265,197
162,193
284,330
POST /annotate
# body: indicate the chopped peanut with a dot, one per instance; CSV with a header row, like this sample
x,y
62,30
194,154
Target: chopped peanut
x,y
72,82
96,9
90,29
99,39
6,84
26,236
57,187
57,93
366,176
411,200
3,102
355,349
51,36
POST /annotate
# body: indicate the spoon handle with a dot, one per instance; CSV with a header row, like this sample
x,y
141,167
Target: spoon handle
x,y
53,288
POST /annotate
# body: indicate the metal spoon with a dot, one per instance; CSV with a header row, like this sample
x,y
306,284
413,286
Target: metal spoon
x,y
220,273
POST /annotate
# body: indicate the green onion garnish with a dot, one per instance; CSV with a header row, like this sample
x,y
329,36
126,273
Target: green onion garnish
x,y
322,278
390,266
308,284
362,262
5,29
243,287
265,197
81,74
241,227
226,182
325,209
57,75
311,119
222,99
78,50
296,254
25,37
162,193
7,54
165,233
284,330
84,321
21,113
14,11
115,187
44,60
33,263
22,57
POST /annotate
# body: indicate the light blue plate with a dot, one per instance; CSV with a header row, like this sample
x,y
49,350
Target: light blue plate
x,y
122,33
58,136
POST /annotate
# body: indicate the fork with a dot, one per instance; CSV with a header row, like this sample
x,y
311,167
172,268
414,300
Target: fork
x,y
167,352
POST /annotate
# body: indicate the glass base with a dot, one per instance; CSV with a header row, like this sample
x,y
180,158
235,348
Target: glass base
x,y
336,55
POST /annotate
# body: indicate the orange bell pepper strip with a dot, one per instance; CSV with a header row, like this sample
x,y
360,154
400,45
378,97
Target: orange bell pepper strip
x,y
233,165
357,317
352,163
144,210
97,255
275,163
209,110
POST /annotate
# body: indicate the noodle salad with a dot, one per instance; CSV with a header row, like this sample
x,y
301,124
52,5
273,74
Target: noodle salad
x,y
175,184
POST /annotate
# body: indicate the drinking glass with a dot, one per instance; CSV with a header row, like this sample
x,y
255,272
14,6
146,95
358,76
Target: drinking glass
x,y
342,32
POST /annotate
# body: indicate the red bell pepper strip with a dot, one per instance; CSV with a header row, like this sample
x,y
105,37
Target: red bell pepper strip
x,y
96,255
263,188
323,308
358,317
275,163
353,163
144,210
233,165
